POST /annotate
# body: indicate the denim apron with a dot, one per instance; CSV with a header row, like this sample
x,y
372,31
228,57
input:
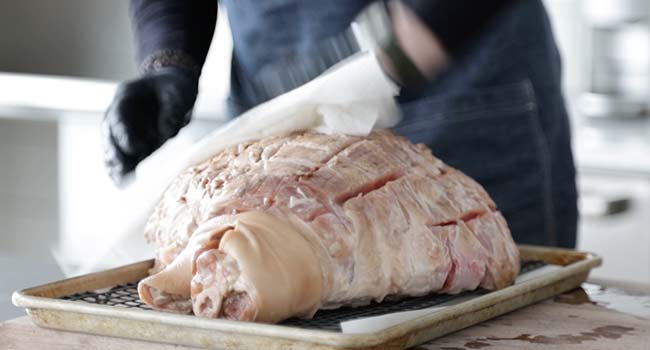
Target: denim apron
x,y
497,113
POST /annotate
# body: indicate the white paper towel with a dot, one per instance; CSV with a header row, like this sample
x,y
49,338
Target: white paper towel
x,y
353,97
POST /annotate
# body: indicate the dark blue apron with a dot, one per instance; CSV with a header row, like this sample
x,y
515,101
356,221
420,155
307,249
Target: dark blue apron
x,y
497,113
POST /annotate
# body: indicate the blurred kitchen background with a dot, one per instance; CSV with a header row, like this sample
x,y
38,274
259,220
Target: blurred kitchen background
x,y
60,62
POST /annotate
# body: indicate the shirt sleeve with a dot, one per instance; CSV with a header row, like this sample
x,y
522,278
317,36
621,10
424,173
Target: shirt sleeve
x,y
457,22
173,33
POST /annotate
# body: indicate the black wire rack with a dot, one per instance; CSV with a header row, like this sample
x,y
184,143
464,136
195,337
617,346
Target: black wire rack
x,y
126,296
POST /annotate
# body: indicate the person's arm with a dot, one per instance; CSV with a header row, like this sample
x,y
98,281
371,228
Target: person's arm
x,y
432,32
173,33
172,39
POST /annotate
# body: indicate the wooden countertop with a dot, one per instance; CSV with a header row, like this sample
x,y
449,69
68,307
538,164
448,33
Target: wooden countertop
x,y
586,318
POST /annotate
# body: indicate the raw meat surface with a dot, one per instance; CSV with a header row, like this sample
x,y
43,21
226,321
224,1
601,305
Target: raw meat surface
x,y
330,220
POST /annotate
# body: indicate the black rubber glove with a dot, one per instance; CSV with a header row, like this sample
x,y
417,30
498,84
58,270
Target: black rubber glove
x,y
144,114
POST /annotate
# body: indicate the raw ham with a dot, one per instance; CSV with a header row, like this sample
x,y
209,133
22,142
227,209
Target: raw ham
x,y
284,226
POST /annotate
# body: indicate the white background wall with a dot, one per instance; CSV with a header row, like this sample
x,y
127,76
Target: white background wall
x,y
93,39
85,38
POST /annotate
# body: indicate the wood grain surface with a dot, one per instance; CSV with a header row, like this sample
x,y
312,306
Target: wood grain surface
x,y
569,321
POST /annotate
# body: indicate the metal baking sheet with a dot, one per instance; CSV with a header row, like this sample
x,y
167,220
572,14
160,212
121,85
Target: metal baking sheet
x,y
107,303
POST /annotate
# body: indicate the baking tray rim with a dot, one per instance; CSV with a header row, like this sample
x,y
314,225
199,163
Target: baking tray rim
x,y
583,263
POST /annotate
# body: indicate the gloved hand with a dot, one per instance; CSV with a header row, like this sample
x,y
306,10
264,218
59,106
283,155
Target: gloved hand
x,y
145,113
